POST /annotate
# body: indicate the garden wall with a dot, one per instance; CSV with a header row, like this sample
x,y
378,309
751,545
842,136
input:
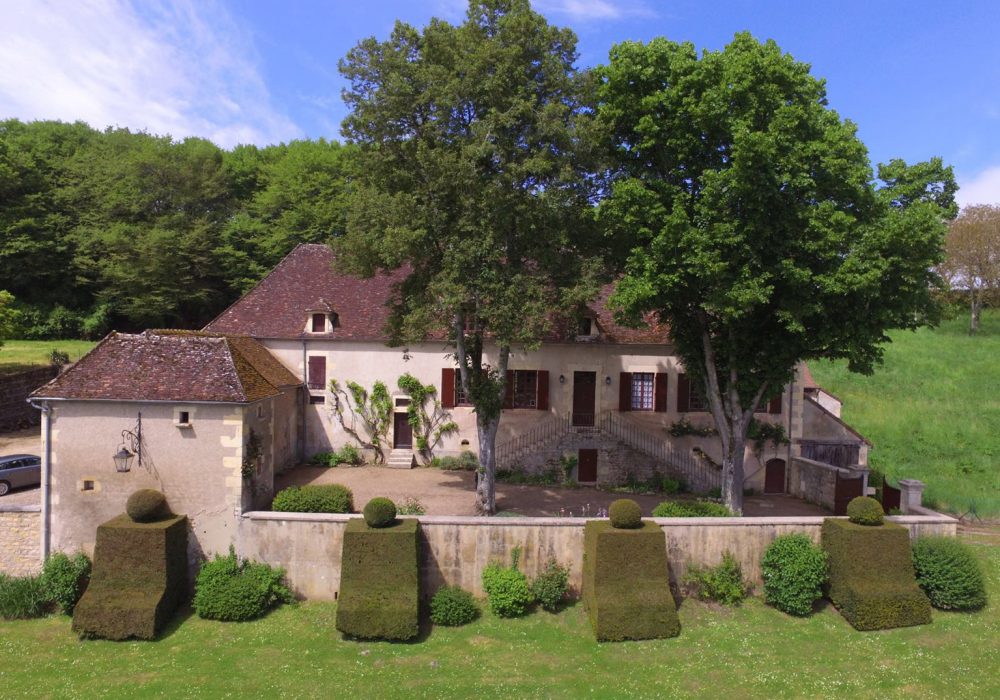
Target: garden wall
x,y
813,481
15,411
20,539
456,549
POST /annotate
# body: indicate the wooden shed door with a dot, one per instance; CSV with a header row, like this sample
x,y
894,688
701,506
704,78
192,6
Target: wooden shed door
x,y
586,466
774,476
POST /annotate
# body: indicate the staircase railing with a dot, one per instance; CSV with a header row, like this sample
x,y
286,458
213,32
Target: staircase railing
x,y
698,476
509,451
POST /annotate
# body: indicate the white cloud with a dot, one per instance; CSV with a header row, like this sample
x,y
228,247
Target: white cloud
x,y
983,188
588,10
179,67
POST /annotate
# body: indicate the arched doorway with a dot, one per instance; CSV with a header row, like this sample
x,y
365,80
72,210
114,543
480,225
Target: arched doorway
x,y
774,476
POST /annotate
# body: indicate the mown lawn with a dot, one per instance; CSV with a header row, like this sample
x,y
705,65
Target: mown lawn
x,y
22,354
932,411
750,652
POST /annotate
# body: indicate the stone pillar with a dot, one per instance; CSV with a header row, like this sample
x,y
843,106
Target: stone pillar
x,y
911,495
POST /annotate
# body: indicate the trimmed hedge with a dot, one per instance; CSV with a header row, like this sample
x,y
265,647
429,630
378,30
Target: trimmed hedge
x,y
625,514
865,510
231,590
871,575
452,606
147,506
691,509
380,512
794,572
948,573
138,578
64,579
626,582
325,498
380,581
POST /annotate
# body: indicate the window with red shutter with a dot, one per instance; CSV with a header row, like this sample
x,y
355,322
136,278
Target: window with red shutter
x,y
625,391
543,390
448,388
660,393
317,372
319,323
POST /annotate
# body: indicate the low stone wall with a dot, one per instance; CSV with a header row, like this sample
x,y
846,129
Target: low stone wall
x,y
15,411
20,539
813,481
456,549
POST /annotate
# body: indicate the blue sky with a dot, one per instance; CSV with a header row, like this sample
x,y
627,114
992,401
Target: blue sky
x,y
919,78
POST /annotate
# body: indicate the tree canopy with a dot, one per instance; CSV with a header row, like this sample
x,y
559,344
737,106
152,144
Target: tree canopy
x,y
755,227
471,174
972,257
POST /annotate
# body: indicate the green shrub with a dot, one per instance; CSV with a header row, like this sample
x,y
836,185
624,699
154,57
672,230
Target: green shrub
x,y
348,454
411,506
507,589
947,571
324,459
380,512
714,492
380,581
147,506
549,588
670,486
865,510
691,509
138,578
626,582
466,461
722,583
794,572
871,575
625,514
325,498
22,597
65,578
232,590
452,607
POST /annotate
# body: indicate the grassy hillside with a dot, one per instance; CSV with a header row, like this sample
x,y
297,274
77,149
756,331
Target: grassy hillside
x,y
20,354
932,411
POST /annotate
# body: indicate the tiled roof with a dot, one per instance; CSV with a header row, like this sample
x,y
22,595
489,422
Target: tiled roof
x,y
304,282
807,378
172,366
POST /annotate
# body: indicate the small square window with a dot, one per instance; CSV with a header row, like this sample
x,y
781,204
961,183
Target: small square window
x,y
317,399
88,485
183,418
260,411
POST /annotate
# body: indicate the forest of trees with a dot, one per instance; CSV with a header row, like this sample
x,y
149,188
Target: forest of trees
x,y
125,230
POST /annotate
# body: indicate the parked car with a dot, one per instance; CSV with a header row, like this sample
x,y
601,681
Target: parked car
x,y
17,471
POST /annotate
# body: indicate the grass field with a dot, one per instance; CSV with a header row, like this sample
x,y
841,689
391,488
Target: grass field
x,y
932,411
21,354
749,652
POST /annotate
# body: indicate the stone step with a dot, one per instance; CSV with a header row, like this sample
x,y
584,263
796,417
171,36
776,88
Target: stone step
x,y
400,459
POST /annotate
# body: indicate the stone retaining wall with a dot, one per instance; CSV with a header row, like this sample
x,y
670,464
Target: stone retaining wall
x,y
456,549
15,411
20,539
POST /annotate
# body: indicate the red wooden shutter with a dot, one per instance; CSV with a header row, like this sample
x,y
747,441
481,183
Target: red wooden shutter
x,y
542,387
774,405
683,393
447,388
625,391
317,372
660,393
508,394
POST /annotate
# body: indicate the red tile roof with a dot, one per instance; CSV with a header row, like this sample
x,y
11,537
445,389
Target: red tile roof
x,y
172,366
305,281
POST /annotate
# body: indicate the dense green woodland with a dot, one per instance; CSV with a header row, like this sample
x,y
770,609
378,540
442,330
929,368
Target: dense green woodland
x,y
117,229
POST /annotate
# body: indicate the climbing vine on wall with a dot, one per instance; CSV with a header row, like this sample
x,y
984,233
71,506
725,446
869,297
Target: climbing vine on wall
x,y
251,455
430,422
364,416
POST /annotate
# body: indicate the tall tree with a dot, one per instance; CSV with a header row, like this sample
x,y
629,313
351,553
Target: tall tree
x,y
755,227
972,256
469,175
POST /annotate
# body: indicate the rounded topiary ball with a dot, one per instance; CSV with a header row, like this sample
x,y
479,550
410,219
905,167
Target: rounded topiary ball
x,y
380,512
625,514
146,506
865,510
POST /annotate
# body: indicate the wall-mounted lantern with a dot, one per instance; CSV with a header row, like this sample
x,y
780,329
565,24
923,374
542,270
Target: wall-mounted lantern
x,y
130,439
562,379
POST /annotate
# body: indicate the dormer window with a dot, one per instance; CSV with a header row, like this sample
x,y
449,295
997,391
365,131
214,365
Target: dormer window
x,y
319,323
585,326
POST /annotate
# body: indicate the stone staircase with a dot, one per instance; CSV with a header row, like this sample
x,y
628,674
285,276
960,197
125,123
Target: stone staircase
x,y
401,458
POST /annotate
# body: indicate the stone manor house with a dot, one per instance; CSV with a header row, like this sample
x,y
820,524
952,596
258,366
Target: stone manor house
x,y
209,417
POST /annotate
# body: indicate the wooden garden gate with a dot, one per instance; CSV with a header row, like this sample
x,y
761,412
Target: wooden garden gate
x,y
846,489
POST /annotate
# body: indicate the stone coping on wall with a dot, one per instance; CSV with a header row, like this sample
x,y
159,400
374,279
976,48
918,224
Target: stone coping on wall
x,y
929,518
20,509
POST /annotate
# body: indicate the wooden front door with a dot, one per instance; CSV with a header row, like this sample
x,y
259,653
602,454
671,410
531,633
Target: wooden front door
x,y
584,391
402,431
586,466
774,476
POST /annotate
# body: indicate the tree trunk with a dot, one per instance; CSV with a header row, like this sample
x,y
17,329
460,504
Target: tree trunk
x,y
486,490
732,473
977,305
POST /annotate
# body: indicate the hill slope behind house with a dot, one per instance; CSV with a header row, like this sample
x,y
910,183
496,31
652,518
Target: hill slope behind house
x,y
18,355
932,411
